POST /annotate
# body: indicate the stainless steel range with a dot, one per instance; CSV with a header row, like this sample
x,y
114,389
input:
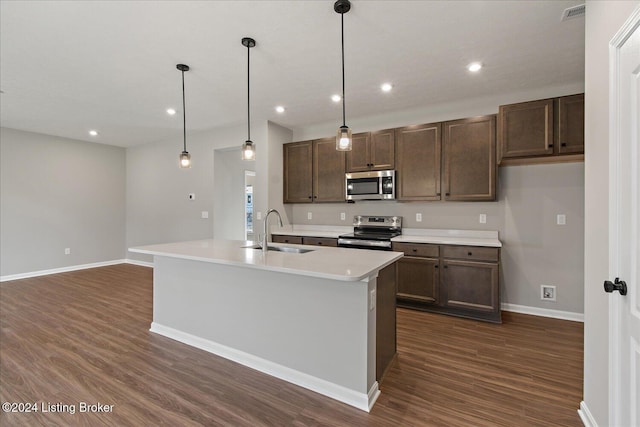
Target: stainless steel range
x,y
372,232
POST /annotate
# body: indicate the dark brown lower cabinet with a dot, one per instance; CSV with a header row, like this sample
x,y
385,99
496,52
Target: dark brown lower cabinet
x,y
470,288
418,279
279,238
456,280
320,241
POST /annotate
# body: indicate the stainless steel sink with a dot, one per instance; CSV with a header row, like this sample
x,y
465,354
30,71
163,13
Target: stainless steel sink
x,y
287,249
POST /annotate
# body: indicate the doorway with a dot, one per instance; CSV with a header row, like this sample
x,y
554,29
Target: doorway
x,y
249,179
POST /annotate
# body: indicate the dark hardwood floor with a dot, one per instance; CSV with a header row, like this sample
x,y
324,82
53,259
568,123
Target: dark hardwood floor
x,y
83,337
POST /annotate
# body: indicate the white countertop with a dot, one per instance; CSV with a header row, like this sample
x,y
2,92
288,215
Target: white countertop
x,y
488,238
329,263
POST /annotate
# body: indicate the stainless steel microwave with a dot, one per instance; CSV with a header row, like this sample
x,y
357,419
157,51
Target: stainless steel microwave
x,y
373,185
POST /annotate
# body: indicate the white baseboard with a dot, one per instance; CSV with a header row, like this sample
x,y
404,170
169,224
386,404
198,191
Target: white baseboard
x,y
544,312
59,270
19,276
363,401
585,416
140,263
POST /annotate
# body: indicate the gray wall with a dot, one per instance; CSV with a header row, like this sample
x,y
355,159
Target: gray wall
x,y
229,192
536,251
158,207
603,20
58,193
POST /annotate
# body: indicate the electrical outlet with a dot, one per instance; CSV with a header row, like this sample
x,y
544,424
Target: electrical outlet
x,y
205,214
561,219
67,251
258,215
192,196
547,292
372,300
309,215
343,216
418,217
483,218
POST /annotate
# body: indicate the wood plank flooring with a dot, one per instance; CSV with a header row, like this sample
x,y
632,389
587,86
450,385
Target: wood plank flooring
x,y
83,337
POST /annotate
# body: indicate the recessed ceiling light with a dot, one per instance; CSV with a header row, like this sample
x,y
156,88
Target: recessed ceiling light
x,y
171,111
280,109
386,87
336,98
474,67
93,132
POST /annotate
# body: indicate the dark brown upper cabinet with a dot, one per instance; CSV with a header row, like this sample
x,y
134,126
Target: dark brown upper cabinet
x,y
328,171
541,131
570,124
298,172
372,151
469,159
314,171
418,151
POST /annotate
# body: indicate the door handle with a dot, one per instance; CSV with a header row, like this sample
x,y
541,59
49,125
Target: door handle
x,y
617,285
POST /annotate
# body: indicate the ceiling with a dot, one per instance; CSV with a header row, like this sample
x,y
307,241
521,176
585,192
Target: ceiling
x,y
70,66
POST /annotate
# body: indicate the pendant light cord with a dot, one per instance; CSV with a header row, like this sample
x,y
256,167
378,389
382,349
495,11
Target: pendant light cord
x,y
184,116
344,120
248,96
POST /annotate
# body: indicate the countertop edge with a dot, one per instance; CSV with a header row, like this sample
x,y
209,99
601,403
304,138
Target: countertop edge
x,y
285,270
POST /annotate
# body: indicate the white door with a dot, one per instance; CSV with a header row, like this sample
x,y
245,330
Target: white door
x,y
624,217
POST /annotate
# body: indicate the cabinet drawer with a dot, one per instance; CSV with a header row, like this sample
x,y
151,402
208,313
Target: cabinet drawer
x,y
476,253
417,249
320,241
294,240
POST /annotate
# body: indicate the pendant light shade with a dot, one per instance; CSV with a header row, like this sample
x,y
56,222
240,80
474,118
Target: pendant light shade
x,y
185,157
343,137
248,149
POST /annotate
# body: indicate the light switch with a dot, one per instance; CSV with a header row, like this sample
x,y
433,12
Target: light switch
x,y
343,216
418,217
561,219
309,215
483,218
205,214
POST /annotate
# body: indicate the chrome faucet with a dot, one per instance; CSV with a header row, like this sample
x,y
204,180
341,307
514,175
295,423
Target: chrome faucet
x,y
265,235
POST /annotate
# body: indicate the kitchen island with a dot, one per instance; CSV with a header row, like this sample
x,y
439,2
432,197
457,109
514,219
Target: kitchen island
x,y
323,319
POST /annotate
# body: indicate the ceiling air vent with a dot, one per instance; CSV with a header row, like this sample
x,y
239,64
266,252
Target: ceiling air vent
x,y
573,12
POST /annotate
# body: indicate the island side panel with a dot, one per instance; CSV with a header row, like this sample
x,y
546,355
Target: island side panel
x,y
386,344
319,327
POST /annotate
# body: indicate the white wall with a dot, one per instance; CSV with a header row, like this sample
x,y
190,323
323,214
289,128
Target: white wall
x,y
58,193
603,19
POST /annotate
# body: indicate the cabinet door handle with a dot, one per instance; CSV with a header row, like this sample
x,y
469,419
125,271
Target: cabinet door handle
x,y
435,266
550,145
315,197
414,250
447,194
469,253
564,144
319,243
446,266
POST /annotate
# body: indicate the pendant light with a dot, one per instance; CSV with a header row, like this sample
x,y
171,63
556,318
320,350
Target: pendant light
x,y
185,157
248,149
343,138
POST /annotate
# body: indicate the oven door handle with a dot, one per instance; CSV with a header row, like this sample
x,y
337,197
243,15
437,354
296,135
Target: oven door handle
x,y
356,242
